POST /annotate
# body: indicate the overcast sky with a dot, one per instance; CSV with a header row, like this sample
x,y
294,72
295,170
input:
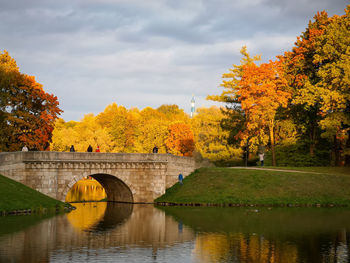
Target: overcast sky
x,y
91,53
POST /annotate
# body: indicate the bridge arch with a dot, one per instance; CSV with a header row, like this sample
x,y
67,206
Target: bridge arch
x,y
116,189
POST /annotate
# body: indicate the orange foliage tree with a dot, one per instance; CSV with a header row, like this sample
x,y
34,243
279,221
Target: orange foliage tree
x,y
262,90
180,139
28,113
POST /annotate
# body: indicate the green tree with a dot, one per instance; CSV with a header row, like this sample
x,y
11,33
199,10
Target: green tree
x,y
301,71
332,53
318,71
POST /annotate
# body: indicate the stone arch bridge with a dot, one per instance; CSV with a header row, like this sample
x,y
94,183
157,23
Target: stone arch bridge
x,y
126,177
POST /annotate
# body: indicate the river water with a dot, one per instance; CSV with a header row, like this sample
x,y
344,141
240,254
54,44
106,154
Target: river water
x,y
111,232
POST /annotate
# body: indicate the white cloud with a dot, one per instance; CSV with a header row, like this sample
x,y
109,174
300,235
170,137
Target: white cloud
x,y
145,53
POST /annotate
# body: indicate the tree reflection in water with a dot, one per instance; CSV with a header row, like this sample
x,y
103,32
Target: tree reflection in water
x,y
115,232
99,217
267,235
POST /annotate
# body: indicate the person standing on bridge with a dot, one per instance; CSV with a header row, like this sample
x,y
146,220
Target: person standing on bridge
x,y
89,149
98,149
25,148
72,150
155,149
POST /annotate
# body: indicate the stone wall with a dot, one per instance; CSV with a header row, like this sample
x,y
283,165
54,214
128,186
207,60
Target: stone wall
x,y
126,177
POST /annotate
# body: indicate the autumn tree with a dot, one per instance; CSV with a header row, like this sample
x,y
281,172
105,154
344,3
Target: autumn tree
x,y
210,138
81,134
28,113
332,53
317,69
301,72
152,131
253,94
261,91
180,140
64,135
236,120
173,113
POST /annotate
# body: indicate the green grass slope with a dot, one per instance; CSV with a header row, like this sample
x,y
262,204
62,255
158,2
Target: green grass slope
x,y
16,196
260,187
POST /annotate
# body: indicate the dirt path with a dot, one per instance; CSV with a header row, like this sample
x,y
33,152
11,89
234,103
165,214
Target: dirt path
x,y
270,169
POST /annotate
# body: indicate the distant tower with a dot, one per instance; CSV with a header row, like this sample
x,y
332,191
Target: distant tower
x,y
193,109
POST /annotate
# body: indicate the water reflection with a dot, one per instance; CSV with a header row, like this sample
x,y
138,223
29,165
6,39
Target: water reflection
x,y
101,216
107,234
243,248
87,215
112,232
276,235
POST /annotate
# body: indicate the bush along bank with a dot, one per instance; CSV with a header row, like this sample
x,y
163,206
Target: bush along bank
x,y
246,187
16,198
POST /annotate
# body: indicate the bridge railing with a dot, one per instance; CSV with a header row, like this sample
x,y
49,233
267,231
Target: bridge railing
x,y
18,157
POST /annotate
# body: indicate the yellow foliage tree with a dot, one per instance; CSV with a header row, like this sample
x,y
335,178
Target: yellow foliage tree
x,y
210,138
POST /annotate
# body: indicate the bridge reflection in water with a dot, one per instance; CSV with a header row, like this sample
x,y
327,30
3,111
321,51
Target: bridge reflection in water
x,y
115,232
94,231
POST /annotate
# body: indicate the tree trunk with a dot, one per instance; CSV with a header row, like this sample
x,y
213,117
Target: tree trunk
x,y
272,142
312,140
246,153
337,156
347,147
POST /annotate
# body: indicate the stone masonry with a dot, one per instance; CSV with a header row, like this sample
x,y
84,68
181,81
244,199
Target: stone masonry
x,y
133,177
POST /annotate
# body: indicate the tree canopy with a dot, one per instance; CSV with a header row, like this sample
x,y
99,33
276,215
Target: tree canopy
x,y
306,89
27,112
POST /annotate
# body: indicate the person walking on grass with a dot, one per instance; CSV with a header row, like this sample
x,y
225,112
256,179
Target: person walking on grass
x,y
261,158
181,178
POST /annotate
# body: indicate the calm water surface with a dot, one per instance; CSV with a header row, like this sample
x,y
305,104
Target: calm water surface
x,y
110,232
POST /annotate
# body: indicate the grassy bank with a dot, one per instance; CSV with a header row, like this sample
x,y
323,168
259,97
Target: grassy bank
x,y
261,187
18,197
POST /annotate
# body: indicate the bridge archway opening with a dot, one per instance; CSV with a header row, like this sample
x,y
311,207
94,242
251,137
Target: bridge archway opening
x,y
85,190
116,189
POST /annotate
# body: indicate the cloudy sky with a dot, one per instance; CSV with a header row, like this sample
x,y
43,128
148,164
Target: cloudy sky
x,y
139,53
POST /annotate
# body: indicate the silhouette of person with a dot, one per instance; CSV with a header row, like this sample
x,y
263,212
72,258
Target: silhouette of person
x,y
72,149
155,149
89,149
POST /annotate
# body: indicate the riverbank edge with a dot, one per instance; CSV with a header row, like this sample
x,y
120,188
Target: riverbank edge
x,y
247,205
40,210
217,183
17,196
